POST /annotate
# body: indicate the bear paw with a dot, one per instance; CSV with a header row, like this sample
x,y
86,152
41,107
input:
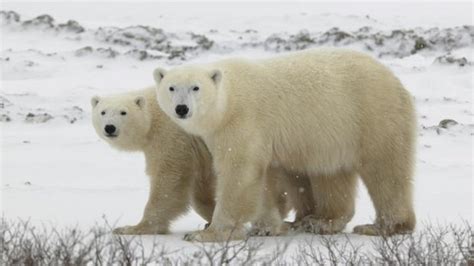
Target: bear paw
x,y
269,230
213,235
138,230
379,230
367,229
310,224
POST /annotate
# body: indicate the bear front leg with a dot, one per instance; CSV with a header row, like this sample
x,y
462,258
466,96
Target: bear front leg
x,y
203,196
275,206
168,198
239,195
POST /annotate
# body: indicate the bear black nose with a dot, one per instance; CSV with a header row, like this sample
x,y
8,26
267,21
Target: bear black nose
x,y
182,110
110,129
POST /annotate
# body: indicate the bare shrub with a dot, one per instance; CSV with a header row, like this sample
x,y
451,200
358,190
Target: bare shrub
x,y
433,245
22,243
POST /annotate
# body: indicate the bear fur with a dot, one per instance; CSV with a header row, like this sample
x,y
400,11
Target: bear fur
x,y
179,166
331,114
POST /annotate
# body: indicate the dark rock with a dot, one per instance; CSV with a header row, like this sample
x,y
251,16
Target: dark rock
x,y
446,123
5,118
138,54
70,119
299,41
202,41
420,44
450,60
29,63
4,102
107,52
71,26
74,114
335,35
77,109
43,21
38,118
84,51
9,17
137,36
177,53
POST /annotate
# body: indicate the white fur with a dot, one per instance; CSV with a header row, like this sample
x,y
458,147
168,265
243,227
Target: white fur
x,y
331,114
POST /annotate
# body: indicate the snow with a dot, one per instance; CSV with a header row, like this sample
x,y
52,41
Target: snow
x,y
54,169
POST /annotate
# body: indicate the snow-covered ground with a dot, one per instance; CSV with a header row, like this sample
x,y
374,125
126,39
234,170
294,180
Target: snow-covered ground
x,y
55,170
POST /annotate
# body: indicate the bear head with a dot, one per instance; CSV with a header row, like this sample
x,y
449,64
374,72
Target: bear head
x,y
189,95
123,121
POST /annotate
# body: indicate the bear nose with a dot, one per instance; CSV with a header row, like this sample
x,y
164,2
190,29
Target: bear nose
x,y
182,110
110,129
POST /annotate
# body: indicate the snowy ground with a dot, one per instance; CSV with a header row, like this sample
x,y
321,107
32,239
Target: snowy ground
x,y
55,170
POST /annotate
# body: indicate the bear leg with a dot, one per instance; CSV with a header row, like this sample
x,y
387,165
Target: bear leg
x,y
165,204
239,193
334,197
389,183
204,206
275,206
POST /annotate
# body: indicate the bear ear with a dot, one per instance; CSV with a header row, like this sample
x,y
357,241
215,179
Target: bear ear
x,y
94,101
140,101
216,75
159,74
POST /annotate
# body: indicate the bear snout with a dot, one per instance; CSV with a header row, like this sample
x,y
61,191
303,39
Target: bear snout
x,y
182,110
110,130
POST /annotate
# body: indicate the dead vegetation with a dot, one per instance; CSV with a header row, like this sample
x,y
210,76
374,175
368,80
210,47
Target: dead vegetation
x,y
23,243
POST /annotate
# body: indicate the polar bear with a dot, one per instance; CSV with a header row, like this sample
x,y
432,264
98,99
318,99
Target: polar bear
x,y
180,166
333,114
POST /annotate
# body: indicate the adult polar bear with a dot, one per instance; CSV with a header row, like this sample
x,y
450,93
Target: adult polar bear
x,y
332,114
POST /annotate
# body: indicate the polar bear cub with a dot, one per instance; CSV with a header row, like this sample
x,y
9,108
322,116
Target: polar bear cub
x,y
332,114
180,166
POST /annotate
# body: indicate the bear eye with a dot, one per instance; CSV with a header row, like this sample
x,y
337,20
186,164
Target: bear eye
x,y
171,89
123,113
102,113
196,88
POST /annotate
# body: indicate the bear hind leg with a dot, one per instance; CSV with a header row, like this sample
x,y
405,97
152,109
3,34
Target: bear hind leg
x,y
389,183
